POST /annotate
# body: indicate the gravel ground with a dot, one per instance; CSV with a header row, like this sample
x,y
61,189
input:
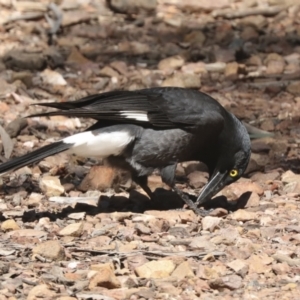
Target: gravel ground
x,y
78,229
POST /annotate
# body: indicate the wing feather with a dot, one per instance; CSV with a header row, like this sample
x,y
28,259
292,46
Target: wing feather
x,y
163,107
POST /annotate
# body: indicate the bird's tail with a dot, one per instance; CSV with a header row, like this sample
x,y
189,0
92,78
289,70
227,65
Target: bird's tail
x,y
34,156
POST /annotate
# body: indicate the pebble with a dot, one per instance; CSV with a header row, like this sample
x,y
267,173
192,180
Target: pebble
x,y
9,225
155,269
74,229
51,186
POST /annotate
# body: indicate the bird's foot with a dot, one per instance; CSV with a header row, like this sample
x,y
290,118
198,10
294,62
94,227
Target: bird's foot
x,y
198,211
191,204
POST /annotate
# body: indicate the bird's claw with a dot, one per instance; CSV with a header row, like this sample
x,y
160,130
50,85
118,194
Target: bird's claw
x,y
191,204
198,211
201,212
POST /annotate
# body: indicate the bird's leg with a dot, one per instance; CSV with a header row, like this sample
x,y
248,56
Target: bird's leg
x,y
168,177
190,203
121,163
142,181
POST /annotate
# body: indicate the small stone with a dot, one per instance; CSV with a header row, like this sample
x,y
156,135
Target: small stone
x,y
210,223
253,201
103,178
237,189
72,276
14,127
249,33
290,286
281,268
265,177
195,37
267,125
120,66
3,107
34,200
257,21
17,59
51,186
66,298
197,179
289,177
142,229
4,268
215,67
183,270
52,77
243,215
207,273
156,269
202,5
74,229
136,261
225,55
202,243
104,277
100,267
50,249
260,264
231,71
28,233
133,6
195,68
167,288
9,225
173,216
185,80
275,63
294,88
155,181
41,291
158,225
171,63
239,266
172,20
219,212
77,216
254,60
75,58
108,72
292,187
231,282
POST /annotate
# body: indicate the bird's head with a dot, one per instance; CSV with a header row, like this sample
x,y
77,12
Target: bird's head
x,y
231,161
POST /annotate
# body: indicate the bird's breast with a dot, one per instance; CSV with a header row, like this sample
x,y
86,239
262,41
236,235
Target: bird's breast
x,y
160,147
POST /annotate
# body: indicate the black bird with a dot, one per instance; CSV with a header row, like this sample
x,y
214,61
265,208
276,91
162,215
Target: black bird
x,y
151,129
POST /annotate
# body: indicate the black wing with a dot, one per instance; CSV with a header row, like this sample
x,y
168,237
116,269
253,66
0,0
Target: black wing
x,y
167,107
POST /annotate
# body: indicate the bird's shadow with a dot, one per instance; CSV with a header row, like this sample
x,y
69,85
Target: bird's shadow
x,y
222,202
137,203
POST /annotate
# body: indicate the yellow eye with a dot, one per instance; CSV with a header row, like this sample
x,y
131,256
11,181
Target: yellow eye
x,y
233,173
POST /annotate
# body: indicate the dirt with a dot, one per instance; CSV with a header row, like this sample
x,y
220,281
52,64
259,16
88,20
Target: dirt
x,y
68,233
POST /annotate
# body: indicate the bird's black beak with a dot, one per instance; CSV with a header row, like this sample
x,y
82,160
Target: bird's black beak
x,y
216,183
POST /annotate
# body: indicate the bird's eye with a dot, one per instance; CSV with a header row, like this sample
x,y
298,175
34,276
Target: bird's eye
x,y
233,173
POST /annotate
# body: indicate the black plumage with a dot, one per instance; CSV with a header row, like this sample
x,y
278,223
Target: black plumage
x,y
152,129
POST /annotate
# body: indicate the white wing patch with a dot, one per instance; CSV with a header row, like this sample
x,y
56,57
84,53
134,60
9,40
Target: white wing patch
x,y
138,115
101,145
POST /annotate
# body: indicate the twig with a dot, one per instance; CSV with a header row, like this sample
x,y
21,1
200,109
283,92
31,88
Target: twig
x,y
29,282
24,17
72,200
7,142
266,11
153,254
55,21
284,258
